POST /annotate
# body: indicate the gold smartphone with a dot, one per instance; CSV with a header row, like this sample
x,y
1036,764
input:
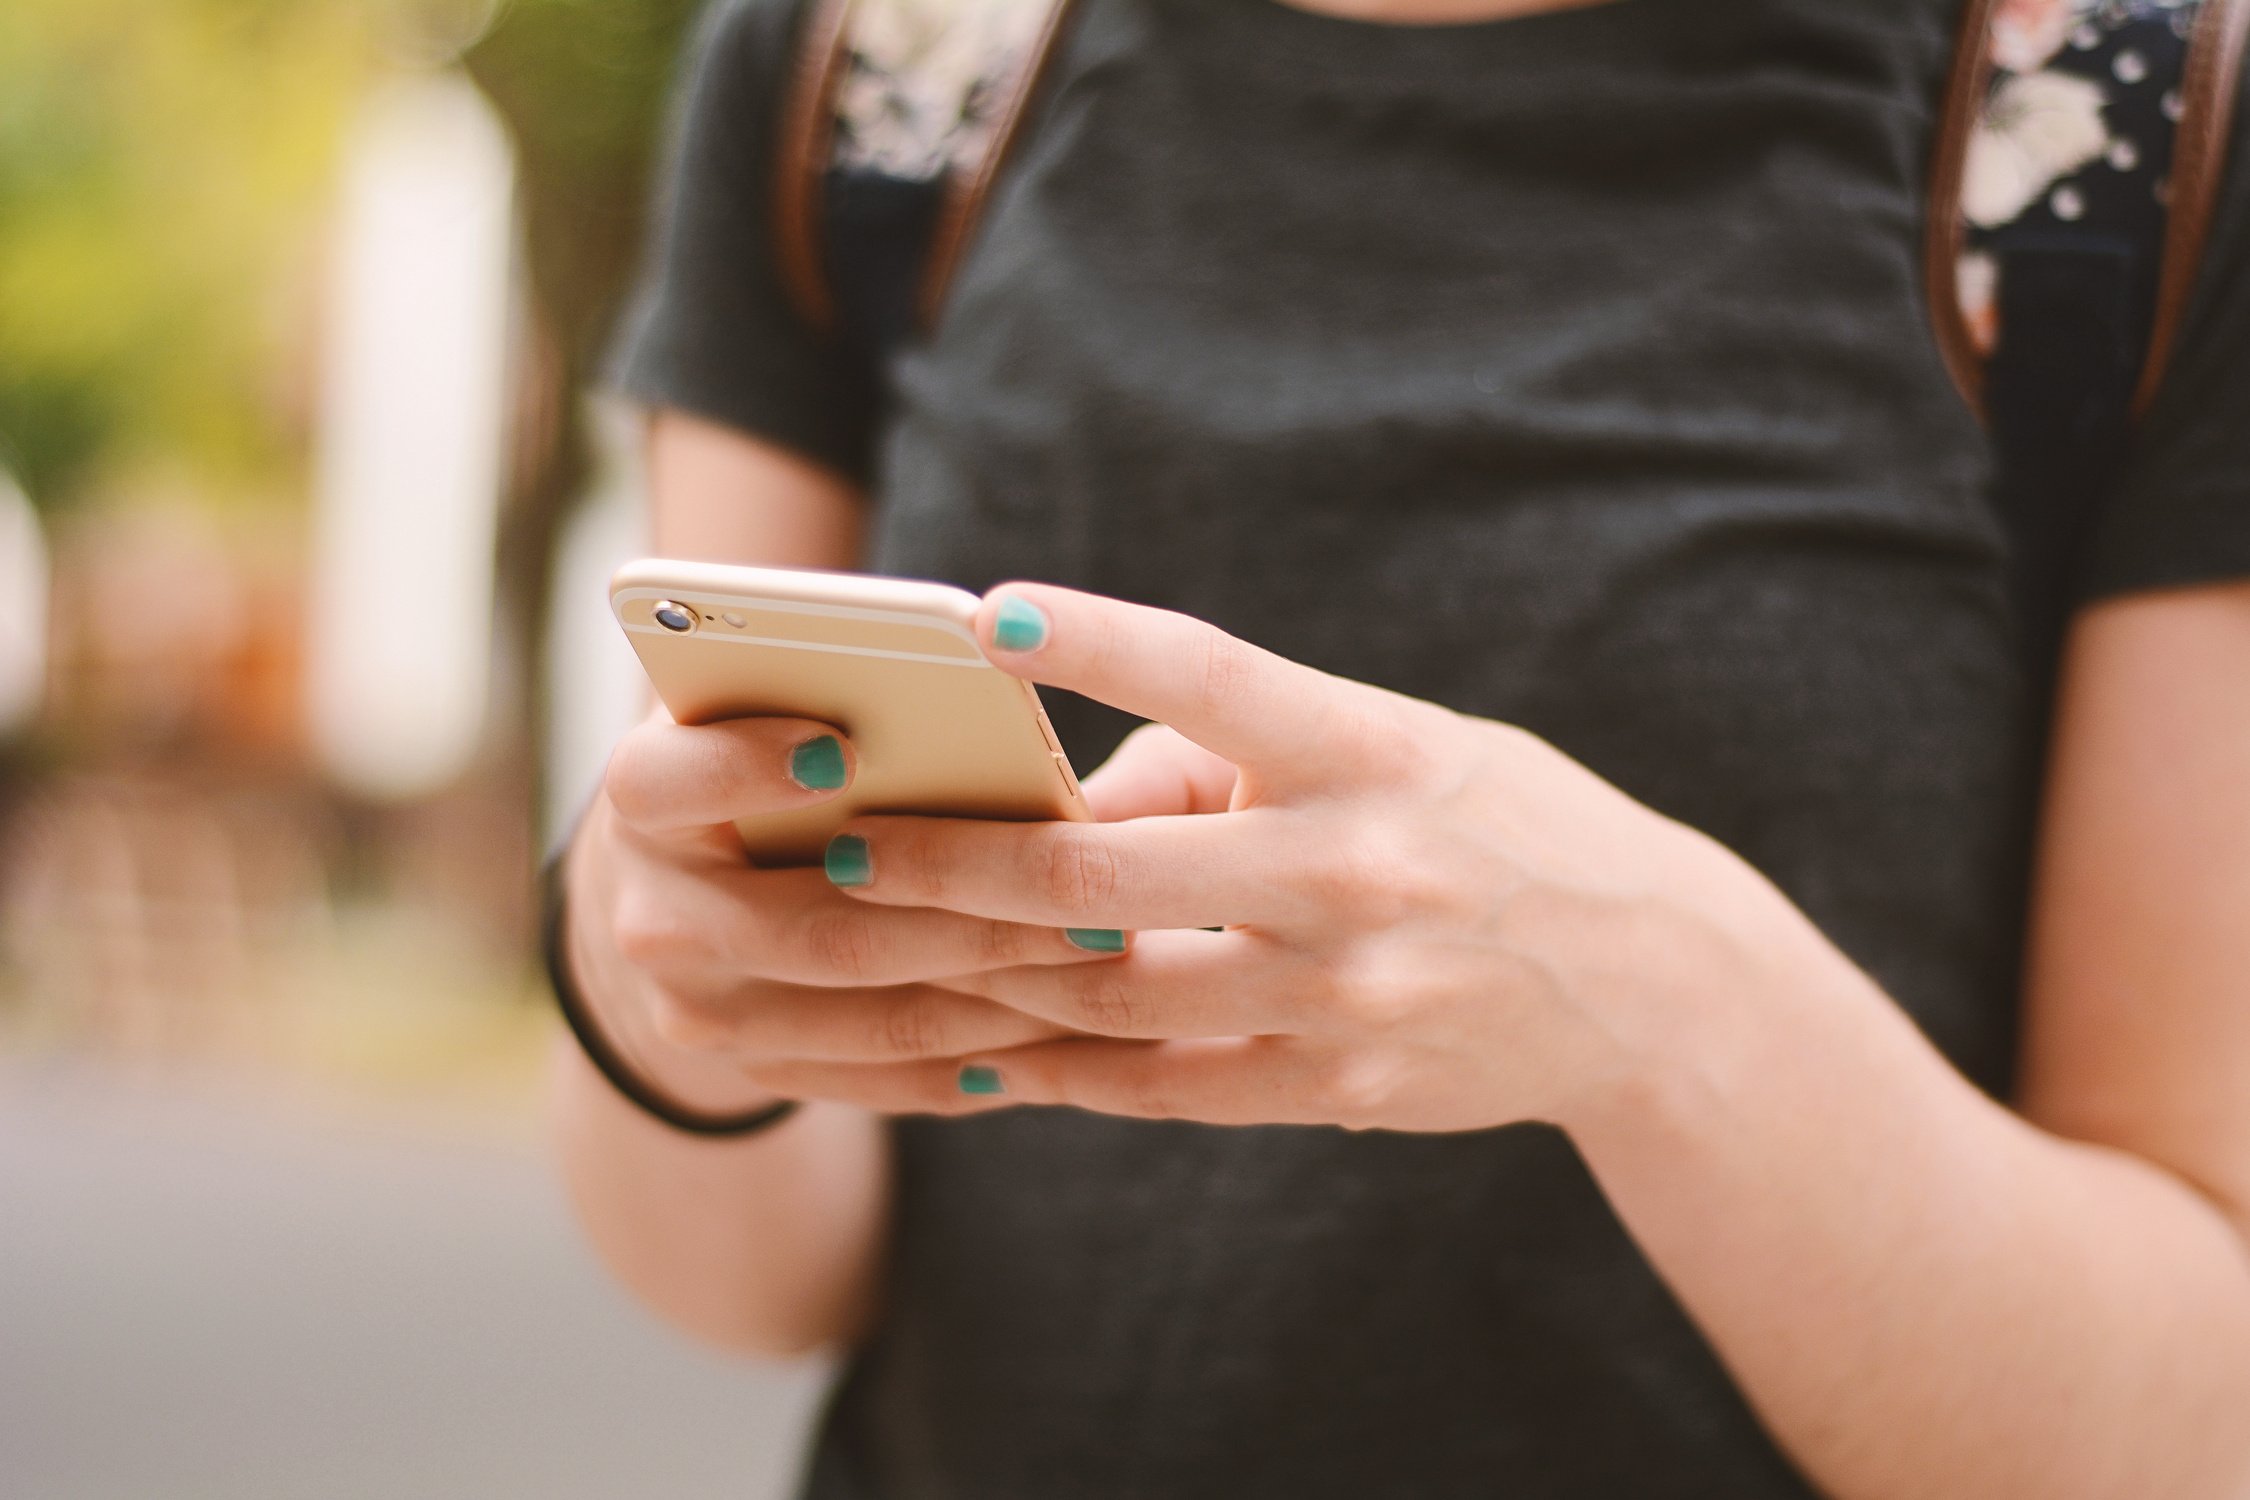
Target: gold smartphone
x,y
891,662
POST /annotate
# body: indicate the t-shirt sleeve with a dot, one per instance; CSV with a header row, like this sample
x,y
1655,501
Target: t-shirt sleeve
x,y
2181,514
710,329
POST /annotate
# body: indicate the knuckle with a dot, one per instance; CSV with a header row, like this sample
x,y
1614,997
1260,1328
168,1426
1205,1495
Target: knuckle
x,y
1417,740
647,936
910,1029
1101,646
1219,669
1081,874
1360,1089
1149,1099
684,1022
1417,889
842,944
1402,742
1379,1006
1106,1004
1366,874
1000,945
1365,995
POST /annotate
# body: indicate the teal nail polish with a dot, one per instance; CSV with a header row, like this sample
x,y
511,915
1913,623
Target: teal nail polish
x,y
818,765
1019,625
847,861
1096,939
976,1080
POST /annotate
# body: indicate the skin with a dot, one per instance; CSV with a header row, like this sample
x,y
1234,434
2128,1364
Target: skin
x,y
1440,923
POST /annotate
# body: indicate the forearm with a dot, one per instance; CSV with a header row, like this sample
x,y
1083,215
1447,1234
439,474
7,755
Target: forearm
x,y
768,1243
1922,1294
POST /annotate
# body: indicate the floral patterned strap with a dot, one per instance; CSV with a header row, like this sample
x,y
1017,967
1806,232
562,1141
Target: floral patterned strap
x,y
902,102
925,83
2097,124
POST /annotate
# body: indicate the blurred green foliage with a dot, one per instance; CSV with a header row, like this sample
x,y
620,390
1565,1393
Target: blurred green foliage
x,y
162,164
166,167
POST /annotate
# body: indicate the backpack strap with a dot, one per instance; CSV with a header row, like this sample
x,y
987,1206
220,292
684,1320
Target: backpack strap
x,y
2077,126
898,119
2079,155
2208,98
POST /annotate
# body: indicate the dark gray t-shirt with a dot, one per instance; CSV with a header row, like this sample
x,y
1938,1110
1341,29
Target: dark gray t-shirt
x,y
1571,370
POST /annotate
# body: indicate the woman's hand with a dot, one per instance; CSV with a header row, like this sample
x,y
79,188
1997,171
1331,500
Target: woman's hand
x,y
1432,922
699,966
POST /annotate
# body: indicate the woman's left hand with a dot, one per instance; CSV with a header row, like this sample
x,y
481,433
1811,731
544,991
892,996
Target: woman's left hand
x,y
1431,922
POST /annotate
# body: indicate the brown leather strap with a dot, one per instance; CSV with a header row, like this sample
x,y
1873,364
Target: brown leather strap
x,y
1942,233
2198,164
808,126
965,194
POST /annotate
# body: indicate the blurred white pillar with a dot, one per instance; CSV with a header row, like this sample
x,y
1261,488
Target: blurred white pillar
x,y
23,608
595,690
413,414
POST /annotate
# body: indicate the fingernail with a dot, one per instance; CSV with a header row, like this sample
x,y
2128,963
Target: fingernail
x,y
1096,939
980,1080
1019,625
847,861
818,764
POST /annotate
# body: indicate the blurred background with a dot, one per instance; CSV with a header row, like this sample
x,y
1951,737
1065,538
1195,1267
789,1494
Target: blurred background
x,y
305,510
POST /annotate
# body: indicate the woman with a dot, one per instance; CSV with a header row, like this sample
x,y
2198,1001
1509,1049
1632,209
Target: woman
x,y
1620,826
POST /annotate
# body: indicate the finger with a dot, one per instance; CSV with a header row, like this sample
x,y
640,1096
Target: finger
x,y
1150,872
1172,984
900,1024
1218,1080
1244,704
796,927
668,778
699,928
907,1088
1155,772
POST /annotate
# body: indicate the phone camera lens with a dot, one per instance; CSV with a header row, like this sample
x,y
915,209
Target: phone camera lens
x,y
674,617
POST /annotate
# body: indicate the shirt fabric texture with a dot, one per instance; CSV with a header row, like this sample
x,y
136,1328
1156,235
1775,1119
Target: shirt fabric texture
x,y
1572,370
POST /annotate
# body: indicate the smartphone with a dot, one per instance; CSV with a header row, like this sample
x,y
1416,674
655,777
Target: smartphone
x,y
892,663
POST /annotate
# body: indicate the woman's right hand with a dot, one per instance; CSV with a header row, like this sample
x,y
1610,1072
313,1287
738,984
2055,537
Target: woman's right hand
x,y
699,967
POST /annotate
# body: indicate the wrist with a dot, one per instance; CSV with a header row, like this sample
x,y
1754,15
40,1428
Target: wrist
x,y
694,1090
695,1078
1745,972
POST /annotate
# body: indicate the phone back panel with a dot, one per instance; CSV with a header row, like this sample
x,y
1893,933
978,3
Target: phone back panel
x,y
894,665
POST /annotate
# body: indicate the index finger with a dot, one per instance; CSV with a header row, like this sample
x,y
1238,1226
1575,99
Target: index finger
x,y
1237,700
675,778
1207,870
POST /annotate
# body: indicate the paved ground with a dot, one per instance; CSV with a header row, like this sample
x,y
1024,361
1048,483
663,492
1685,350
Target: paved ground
x,y
203,1294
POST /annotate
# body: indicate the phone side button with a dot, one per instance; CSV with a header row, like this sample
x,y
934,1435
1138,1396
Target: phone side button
x,y
1069,777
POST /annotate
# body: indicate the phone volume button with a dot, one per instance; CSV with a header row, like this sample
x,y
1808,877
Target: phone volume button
x,y
1062,769
1047,731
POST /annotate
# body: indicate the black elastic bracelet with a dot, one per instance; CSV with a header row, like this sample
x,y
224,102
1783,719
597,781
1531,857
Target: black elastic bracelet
x,y
605,1058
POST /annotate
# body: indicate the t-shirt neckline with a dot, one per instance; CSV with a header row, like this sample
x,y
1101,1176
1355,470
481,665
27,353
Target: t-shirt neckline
x,y
1273,36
